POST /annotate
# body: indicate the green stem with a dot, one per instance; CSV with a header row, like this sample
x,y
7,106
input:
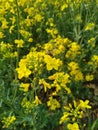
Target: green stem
x,y
89,119
18,20
18,34
15,93
18,37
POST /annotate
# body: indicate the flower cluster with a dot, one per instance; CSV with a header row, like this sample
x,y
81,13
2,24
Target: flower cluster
x,y
29,105
48,53
7,121
74,112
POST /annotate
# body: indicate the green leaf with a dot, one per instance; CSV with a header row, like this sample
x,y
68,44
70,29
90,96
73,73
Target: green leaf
x,y
95,125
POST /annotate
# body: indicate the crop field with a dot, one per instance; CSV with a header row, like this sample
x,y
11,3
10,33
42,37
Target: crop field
x,y
48,64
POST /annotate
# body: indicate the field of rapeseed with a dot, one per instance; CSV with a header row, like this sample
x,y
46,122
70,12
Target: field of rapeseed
x,y
49,64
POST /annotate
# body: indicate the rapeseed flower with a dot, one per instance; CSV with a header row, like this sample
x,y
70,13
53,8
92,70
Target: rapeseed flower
x,y
45,84
1,35
38,18
95,59
84,104
8,121
74,71
89,26
4,24
27,105
89,77
19,42
13,20
21,2
30,40
52,63
11,29
73,66
43,65
74,50
37,101
53,32
53,103
60,80
64,6
48,47
23,72
2,11
25,34
91,41
73,126
74,111
78,75
24,87
57,88
65,117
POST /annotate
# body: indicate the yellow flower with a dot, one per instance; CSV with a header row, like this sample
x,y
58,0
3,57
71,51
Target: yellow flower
x,y
89,26
60,80
95,59
7,121
4,24
19,42
91,41
74,111
64,118
15,54
64,6
28,22
21,2
61,48
89,77
24,87
30,40
56,86
1,35
11,29
78,75
74,50
11,0
73,66
2,11
38,17
50,22
48,46
73,126
25,34
52,63
84,104
75,72
53,32
27,105
37,101
53,103
23,72
67,89
45,84
13,20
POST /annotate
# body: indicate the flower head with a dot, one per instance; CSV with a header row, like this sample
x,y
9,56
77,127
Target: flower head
x,y
73,126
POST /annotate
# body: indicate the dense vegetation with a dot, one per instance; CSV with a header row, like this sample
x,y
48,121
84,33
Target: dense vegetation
x,y
49,64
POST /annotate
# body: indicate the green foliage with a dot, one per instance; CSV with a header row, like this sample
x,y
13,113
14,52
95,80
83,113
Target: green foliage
x,y
48,64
